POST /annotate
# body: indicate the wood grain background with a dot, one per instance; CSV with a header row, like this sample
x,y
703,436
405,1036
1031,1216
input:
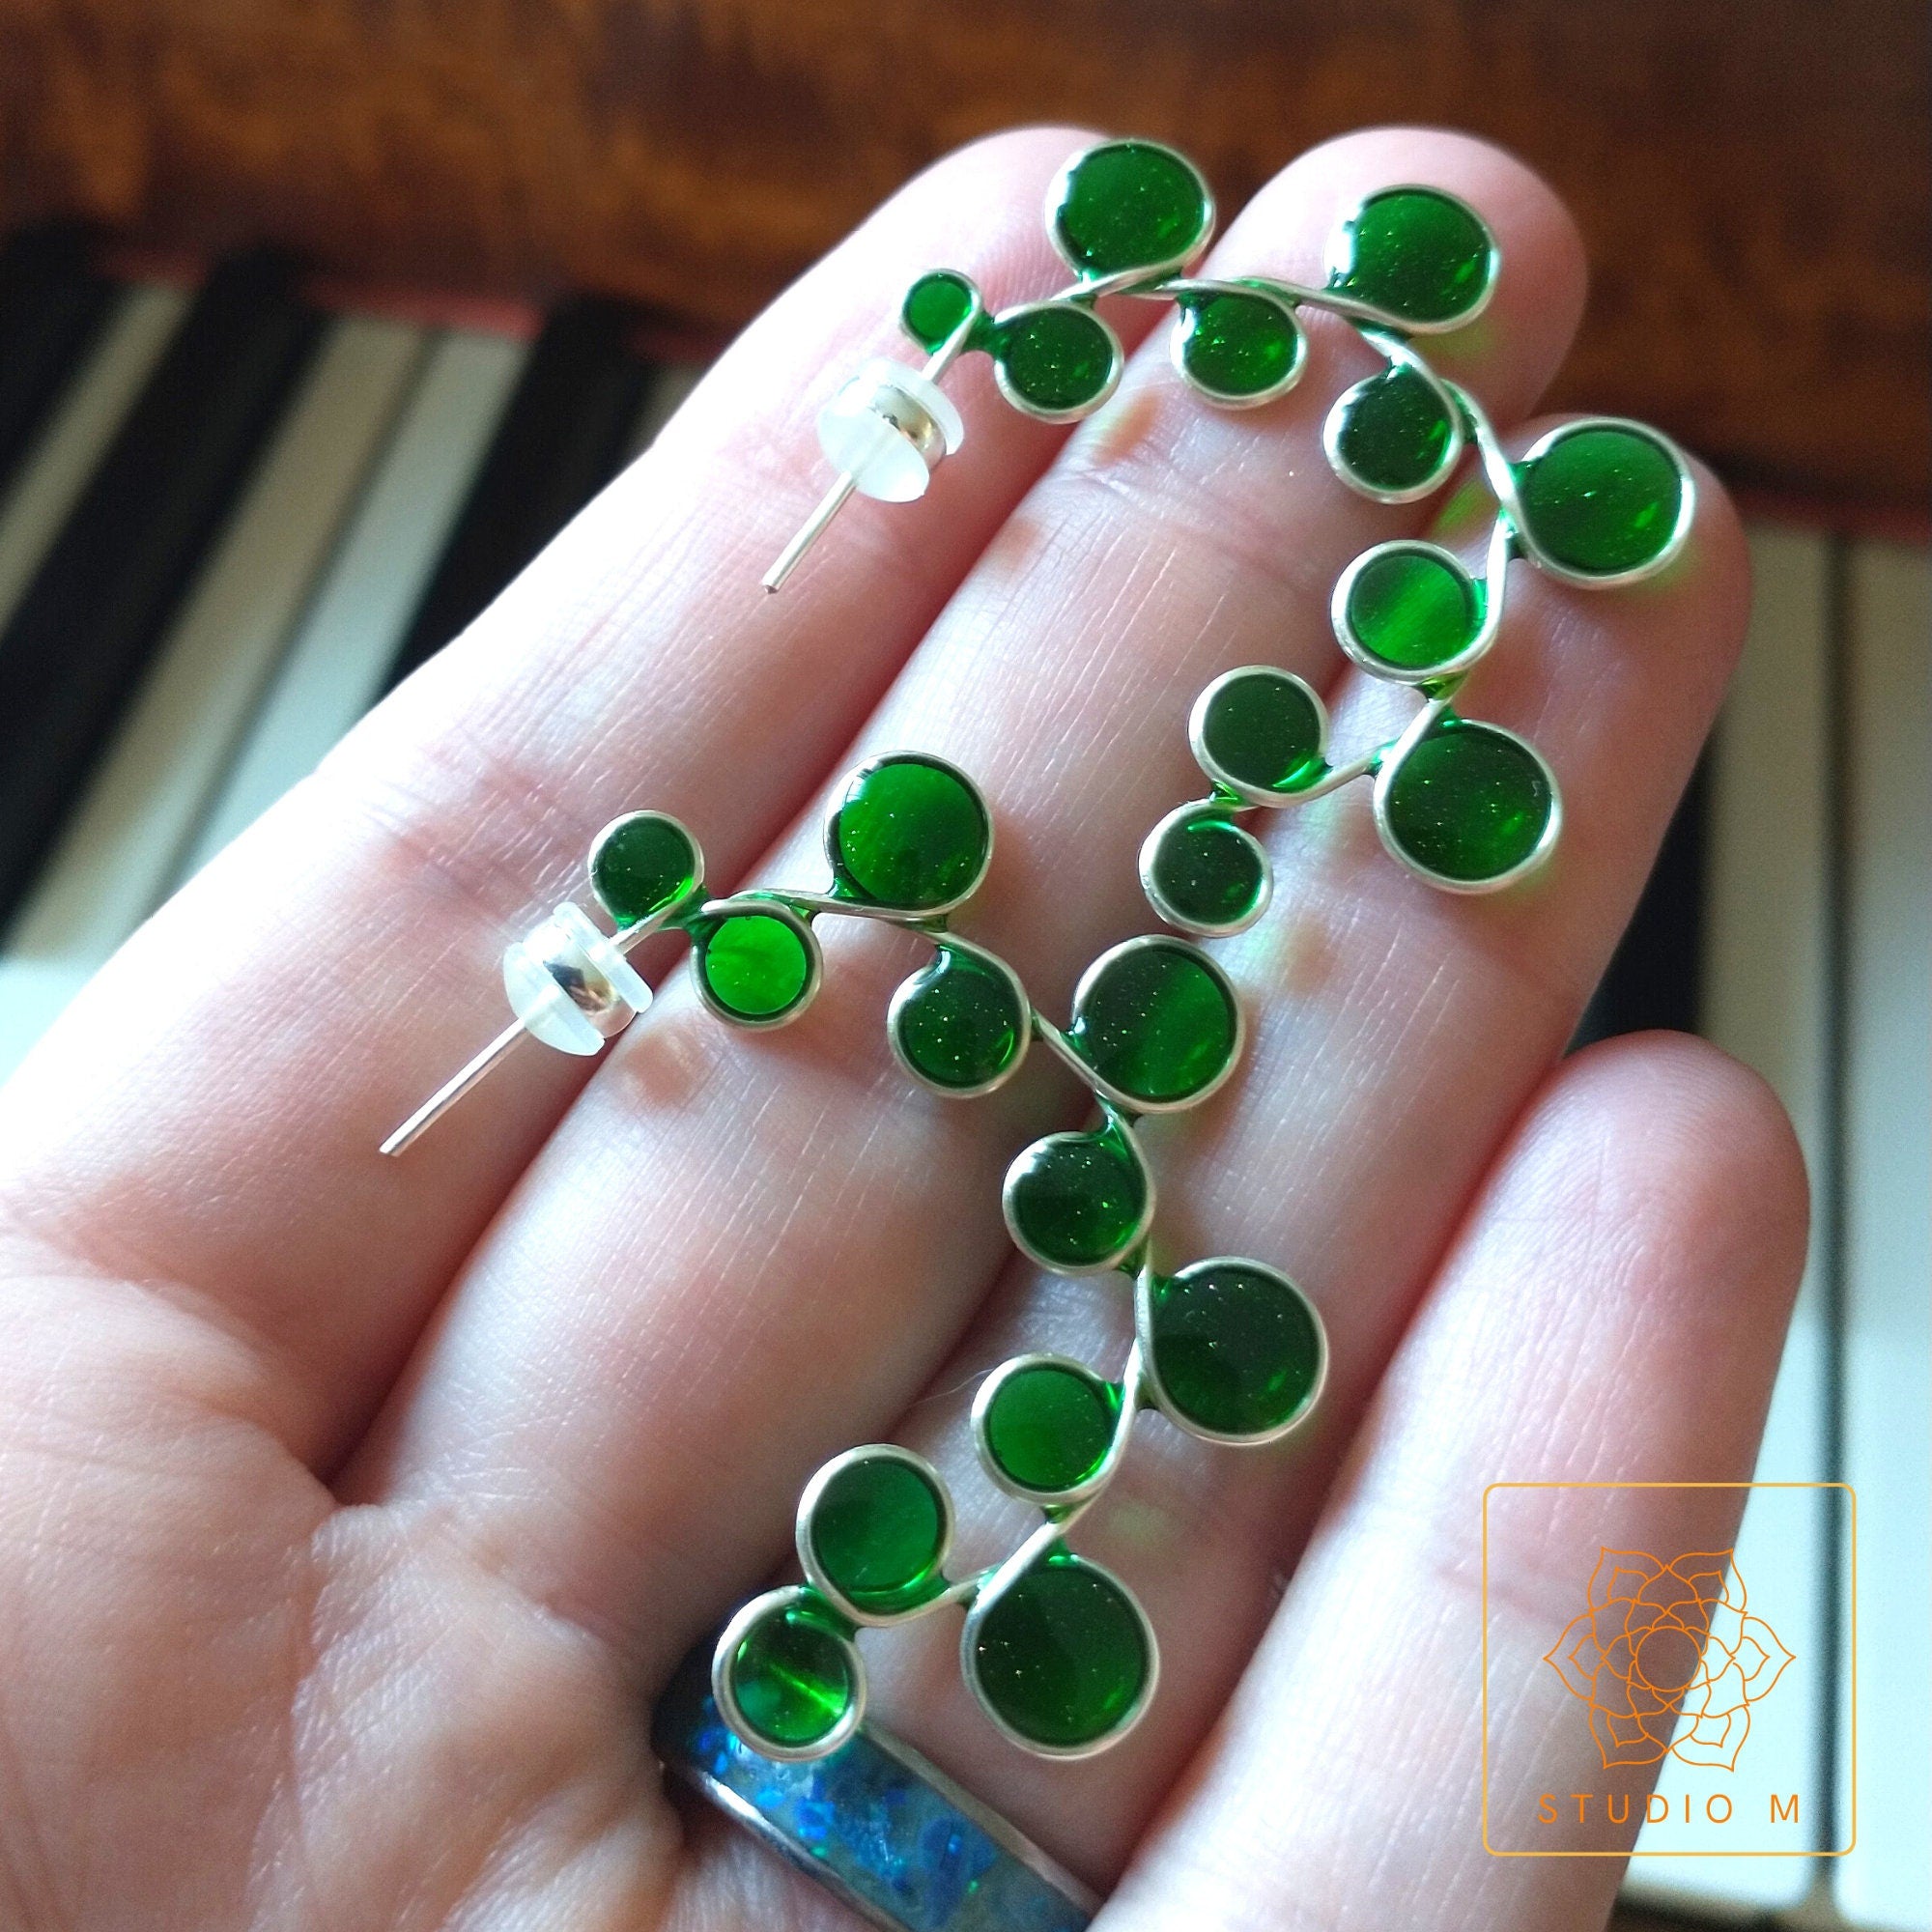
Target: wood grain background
x,y
1751,174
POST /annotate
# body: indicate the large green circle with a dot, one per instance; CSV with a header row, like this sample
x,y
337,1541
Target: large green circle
x,y
877,1530
910,833
1416,252
1602,499
1237,1346
1469,803
1129,205
1157,1021
1062,1655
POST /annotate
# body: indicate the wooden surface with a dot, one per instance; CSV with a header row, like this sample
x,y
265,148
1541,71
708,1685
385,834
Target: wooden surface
x,y
1751,174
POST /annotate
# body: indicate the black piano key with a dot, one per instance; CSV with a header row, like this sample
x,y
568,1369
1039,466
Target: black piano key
x,y
52,304
563,436
1653,976
98,606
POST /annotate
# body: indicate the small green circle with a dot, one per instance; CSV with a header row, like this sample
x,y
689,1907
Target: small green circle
x,y
1206,871
910,833
1129,205
792,1679
1390,432
1263,729
1412,609
755,965
1076,1200
1049,1426
878,1532
1237,1346
1157,1021
1602,499
1061,1653
1418,253
1057,359
935,305
642,864
1468,802
959,1023
1235,345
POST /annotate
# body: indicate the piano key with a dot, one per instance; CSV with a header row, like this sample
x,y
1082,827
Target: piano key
x,y
119,852
1886,1881
335,667
562,437
1763,991
89,624
52,306
49,483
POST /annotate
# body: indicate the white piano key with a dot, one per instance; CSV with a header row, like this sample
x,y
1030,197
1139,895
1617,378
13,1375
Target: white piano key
x,y
82,426
1765,996
120,851
335,669
1885,1882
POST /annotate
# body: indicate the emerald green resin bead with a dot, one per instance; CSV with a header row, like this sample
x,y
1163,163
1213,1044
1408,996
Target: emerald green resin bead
x,y
1260,732
1204,872
911,833
642,864
1603,500
1418,253
1078,1203
873,1530
961,1024
1062,1656
1390,437
1407,609
1470,806
1236,1351
792,1678
1238,347
1157,1020
1129,205
1045,1424
1055,360
936,305
756,965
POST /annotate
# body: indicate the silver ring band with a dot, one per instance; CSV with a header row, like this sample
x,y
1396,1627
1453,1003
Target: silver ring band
x,y
873,1823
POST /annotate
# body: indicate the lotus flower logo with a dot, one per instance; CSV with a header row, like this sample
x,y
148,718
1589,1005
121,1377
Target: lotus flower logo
x,y
1668,1647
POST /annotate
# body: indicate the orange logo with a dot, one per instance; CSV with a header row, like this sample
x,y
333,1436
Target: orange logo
x,y
1663,1642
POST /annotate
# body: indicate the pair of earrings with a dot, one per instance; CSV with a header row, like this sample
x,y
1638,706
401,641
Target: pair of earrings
x,y
1056,1649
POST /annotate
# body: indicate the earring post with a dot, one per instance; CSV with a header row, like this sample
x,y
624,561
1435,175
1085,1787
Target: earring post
x,y
452,1090
810,531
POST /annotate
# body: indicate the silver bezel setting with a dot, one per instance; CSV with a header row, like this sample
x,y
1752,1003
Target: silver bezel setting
x,y
1197,731
1135,1104
1009,1574
1108,1262
1423,723
1079,411
1680,532
829,835
616,825
739,906
776,1603
807,1556
1177,344
1103,1474
1331,445
1480,640
1334,263
1150,1373
1166,908
1056,196
902,992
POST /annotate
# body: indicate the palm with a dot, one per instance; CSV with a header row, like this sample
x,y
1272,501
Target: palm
x,y
352,1512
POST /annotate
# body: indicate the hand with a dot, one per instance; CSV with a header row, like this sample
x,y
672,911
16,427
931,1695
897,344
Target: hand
x,y
352,1511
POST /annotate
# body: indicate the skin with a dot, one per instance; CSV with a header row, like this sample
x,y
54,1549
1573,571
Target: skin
x,y
352,1511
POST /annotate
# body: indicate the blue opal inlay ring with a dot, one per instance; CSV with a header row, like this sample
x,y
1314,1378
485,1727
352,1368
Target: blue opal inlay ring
x,y
889,1833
